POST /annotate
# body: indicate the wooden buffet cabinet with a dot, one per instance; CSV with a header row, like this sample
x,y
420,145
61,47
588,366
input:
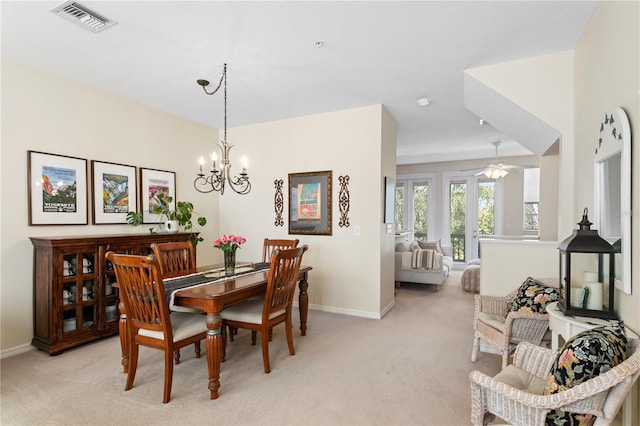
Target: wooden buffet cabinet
x,y
73,298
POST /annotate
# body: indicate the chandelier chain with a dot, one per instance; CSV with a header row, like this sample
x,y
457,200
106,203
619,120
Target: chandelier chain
x,y
217,178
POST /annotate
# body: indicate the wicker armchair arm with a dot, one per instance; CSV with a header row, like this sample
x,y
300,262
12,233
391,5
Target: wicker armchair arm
x,y
493,305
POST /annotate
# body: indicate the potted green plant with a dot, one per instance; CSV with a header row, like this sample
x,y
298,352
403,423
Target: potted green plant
x,y
181,216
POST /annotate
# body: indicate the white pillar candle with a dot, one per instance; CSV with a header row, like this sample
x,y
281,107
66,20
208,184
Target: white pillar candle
x,y
589,277
594,300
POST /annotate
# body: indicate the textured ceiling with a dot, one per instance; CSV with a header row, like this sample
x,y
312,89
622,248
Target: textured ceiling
x,y
381,52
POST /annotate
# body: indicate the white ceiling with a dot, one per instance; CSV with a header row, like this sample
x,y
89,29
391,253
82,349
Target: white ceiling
x,y
374,52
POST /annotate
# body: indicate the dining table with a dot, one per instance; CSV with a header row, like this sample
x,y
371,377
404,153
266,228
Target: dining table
x,y
211,293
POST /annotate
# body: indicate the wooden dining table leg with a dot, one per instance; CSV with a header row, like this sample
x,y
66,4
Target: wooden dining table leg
x,y
214,351
303,304
124,337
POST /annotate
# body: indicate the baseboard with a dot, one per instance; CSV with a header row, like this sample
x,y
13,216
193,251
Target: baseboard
x,y
352,312
16,351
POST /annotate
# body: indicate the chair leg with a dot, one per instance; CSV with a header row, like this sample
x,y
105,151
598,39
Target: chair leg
x,y
168,376
232,332
264,337
197,347
254,335
476,345
288,327
176,356
133,365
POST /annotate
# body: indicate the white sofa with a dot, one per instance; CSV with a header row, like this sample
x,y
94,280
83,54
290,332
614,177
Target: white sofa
x,y
404,272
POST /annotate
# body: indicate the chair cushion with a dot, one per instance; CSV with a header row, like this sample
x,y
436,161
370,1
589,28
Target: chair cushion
x,y
533,296
183,325
521,379
583,357
249,311
495,321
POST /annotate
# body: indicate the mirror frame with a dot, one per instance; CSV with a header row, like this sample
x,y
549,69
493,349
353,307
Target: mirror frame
x,y
615,137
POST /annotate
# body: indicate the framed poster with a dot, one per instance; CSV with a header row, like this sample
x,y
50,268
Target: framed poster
x,y
153,183
389,199
310,203
57,189
114,192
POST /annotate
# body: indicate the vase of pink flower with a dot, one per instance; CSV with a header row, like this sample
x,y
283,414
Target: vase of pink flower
x,y
229,244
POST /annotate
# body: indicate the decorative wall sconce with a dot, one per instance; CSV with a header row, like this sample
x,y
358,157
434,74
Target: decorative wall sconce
x,y
344,201
278,202
587,273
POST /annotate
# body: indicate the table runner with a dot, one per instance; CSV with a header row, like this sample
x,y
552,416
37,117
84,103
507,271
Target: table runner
x,y
172,285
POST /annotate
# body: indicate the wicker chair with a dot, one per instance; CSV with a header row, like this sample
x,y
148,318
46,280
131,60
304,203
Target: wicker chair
x,y
504,329
601,396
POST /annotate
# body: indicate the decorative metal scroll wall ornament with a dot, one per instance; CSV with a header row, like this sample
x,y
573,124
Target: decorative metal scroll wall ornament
x,y
278,202
344,201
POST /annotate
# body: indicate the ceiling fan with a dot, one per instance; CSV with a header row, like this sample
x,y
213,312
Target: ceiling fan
x,y
496,170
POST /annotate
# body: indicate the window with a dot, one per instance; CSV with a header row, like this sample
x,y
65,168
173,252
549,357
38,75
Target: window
x,y
399,207
531,199
413,196
420,210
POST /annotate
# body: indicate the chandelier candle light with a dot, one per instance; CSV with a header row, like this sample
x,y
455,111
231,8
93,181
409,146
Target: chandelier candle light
x,y
217,178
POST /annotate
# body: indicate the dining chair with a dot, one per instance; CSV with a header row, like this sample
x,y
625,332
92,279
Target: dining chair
x,y
270,245
177,258
261,314
148,320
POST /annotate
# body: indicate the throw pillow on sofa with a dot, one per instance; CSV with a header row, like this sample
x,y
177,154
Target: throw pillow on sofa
x,y
533,296
431,245
583,357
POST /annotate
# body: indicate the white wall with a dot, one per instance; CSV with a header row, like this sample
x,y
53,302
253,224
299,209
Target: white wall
x,y
61,117
346,274
506,264
608,75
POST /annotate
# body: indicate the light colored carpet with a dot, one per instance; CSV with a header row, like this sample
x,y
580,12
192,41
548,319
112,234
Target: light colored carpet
x,y
410,368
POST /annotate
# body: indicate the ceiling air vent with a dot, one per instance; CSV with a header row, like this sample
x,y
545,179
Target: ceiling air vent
x,y
83,16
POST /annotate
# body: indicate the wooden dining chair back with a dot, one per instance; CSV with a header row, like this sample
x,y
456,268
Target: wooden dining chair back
x,y
261,314
270,245
175,258
148,319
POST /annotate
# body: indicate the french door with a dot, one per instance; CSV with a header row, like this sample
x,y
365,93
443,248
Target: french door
x,y
470,212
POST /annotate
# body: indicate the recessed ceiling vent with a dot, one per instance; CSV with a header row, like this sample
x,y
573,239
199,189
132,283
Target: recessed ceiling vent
x,y
83,16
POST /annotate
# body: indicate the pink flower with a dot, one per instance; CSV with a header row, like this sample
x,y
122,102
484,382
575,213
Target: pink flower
x,y
229,243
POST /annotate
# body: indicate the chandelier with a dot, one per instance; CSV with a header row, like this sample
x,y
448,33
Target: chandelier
x,y
218,177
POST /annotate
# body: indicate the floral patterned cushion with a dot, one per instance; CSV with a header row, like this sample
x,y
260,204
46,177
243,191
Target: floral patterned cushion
x,y
584,356
533,296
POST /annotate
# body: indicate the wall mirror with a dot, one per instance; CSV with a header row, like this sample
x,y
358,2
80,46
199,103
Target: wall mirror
x,y
613,192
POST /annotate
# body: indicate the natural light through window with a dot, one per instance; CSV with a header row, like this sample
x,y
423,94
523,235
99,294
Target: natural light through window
x,y
531,199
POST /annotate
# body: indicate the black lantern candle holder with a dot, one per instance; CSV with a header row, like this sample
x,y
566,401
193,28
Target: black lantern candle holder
x,y
587,273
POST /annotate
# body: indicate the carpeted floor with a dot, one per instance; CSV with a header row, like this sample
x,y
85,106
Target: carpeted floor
x,y
410,368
